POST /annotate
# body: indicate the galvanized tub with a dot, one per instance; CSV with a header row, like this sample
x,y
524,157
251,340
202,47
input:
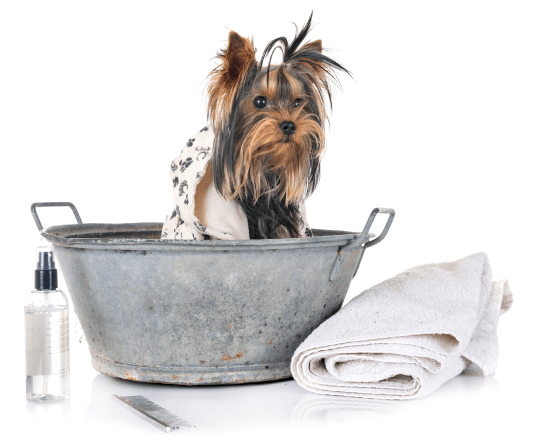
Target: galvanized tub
x,y
201,312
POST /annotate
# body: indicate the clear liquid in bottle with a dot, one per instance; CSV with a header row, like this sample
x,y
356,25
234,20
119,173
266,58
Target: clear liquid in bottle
x,y
46,313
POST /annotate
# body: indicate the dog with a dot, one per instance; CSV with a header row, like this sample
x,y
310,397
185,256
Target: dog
x,y
259,157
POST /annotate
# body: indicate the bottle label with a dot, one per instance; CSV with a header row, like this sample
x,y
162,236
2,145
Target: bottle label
x,y
47,343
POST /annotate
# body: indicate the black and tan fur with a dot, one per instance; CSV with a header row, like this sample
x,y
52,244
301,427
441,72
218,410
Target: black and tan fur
x,y
269,172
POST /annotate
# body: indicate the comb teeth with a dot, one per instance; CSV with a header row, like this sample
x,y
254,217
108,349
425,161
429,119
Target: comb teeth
x,y
151,412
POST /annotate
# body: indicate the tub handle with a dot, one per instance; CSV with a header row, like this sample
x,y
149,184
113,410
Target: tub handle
x,y
358,240
365,232
53,204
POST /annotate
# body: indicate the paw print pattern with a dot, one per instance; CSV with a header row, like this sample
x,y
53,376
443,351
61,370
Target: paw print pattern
x,y
184,164
175,212
187,170
203,152
183,187
199,226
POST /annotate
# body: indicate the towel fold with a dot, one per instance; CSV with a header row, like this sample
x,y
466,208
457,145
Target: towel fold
x,y
408,335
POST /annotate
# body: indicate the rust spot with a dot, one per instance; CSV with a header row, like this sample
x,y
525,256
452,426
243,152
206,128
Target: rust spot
x,y
201,379
175,377
230,325
129,377
270,342
238,355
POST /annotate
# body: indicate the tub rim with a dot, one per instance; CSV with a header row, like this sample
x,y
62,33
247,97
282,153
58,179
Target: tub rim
x,y
67,236
60,236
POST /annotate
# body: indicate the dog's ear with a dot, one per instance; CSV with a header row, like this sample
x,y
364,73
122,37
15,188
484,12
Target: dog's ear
x,y
238,58
316,67
314,45
228,83
225,80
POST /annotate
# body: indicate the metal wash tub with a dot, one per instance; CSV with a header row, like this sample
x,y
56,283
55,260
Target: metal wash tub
x,y
201,312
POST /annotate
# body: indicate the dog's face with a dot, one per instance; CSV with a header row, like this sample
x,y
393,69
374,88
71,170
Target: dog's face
x,y
269,119
279,135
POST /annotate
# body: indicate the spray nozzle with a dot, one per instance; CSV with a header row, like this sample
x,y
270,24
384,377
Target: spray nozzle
x,y
46,276
45,258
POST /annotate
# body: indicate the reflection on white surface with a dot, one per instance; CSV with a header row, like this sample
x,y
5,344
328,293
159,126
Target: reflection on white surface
x,y
222,408
206,407
314,408
281,407
269,408
51,411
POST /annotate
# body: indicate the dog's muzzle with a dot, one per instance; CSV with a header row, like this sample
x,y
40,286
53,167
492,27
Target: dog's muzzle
x,y
288,127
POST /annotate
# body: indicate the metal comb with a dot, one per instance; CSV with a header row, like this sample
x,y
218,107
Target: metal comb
x,y
151,412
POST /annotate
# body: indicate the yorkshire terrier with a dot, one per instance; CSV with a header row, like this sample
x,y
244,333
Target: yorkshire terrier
x,y
264,144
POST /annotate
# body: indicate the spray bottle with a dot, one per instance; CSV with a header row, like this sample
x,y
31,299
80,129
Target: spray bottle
x,y
46,313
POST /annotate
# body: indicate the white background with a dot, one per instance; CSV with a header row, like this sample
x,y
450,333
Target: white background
x,y
441,122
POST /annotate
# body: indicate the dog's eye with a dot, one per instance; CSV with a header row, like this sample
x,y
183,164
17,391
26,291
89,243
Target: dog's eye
x,y
260,102
296,102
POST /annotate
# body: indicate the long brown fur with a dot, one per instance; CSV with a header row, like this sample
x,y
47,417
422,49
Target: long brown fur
x,y
264,148
225,79
267,170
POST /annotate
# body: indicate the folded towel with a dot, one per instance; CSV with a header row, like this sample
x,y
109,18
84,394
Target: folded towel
x,y
407,336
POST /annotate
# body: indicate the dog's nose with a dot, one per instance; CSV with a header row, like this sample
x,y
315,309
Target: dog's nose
x,y
288,127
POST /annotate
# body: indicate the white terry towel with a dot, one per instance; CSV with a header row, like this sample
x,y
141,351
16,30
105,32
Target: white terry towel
x,y
408,335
